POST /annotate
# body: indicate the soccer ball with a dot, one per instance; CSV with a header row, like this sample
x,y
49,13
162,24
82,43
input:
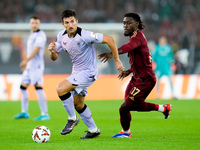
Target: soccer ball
x,y
41,134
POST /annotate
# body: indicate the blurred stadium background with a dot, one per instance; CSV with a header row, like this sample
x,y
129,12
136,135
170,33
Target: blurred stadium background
x,y
179,21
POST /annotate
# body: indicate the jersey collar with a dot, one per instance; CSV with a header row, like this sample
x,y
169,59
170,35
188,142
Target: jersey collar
x,y
77,31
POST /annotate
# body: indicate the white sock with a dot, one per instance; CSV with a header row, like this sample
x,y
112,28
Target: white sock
x,y
44,114
126,131
72,118
69,107
161,108
86,116
42,101
94,130
24,100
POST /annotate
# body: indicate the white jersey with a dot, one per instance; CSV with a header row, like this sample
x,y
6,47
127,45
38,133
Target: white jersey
x,y
37,38
81,49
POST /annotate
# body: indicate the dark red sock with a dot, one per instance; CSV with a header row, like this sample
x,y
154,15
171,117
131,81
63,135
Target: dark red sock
x,y
149,106
125,118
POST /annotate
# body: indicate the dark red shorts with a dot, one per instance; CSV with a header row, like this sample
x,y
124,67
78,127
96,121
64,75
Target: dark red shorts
x,y
138,89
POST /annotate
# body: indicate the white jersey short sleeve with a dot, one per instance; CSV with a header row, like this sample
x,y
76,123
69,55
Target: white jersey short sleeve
x,y
91,37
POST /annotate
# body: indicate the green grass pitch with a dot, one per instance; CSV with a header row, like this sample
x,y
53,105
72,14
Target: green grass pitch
x,y
150,131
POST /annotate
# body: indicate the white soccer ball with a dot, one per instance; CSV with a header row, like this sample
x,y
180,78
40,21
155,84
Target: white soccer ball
x,y
41,134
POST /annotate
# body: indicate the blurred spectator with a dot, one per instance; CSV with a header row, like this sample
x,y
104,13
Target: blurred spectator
x,y
177,20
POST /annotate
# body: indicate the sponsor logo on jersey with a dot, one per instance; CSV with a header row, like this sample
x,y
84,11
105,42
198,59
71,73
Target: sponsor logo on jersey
x,y
72,52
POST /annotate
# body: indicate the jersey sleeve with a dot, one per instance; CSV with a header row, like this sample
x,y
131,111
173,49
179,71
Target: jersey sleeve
x,y
58,42
132,44
91,37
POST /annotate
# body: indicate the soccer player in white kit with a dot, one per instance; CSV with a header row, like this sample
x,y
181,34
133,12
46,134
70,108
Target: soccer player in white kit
x,y
33,68
79,44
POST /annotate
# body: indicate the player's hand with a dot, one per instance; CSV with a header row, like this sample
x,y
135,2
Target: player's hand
x,y
52,47
119,65
105,56
124,74
23,68
23,64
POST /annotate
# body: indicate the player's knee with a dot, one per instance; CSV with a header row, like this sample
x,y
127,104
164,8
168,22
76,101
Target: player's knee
x,y
79,106
121,109
124,109
65,96
61,91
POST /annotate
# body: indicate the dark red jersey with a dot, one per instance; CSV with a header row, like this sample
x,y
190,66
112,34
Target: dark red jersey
x,y
140,58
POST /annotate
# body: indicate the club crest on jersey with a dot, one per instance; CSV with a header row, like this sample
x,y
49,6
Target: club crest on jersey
x,y
78,43
93,35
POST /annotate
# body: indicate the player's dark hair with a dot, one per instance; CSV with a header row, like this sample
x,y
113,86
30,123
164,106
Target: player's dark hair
x,y
68,13
35,17
136,17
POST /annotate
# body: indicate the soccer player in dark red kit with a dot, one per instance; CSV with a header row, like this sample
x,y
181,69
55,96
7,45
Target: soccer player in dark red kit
x,y
143,79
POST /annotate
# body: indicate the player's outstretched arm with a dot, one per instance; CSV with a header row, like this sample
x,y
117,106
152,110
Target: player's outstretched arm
x,y
52,48
112,45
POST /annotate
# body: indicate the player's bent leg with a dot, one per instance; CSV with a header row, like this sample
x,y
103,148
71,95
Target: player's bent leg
x,y
63,90
125,119
144,107
73,119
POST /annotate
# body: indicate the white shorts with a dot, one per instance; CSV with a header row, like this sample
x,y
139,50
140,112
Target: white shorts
x,y
33,76
83,80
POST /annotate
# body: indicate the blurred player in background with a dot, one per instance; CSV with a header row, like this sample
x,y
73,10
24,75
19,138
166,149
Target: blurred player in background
x,y
143,79
79,44
164,62
33,68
